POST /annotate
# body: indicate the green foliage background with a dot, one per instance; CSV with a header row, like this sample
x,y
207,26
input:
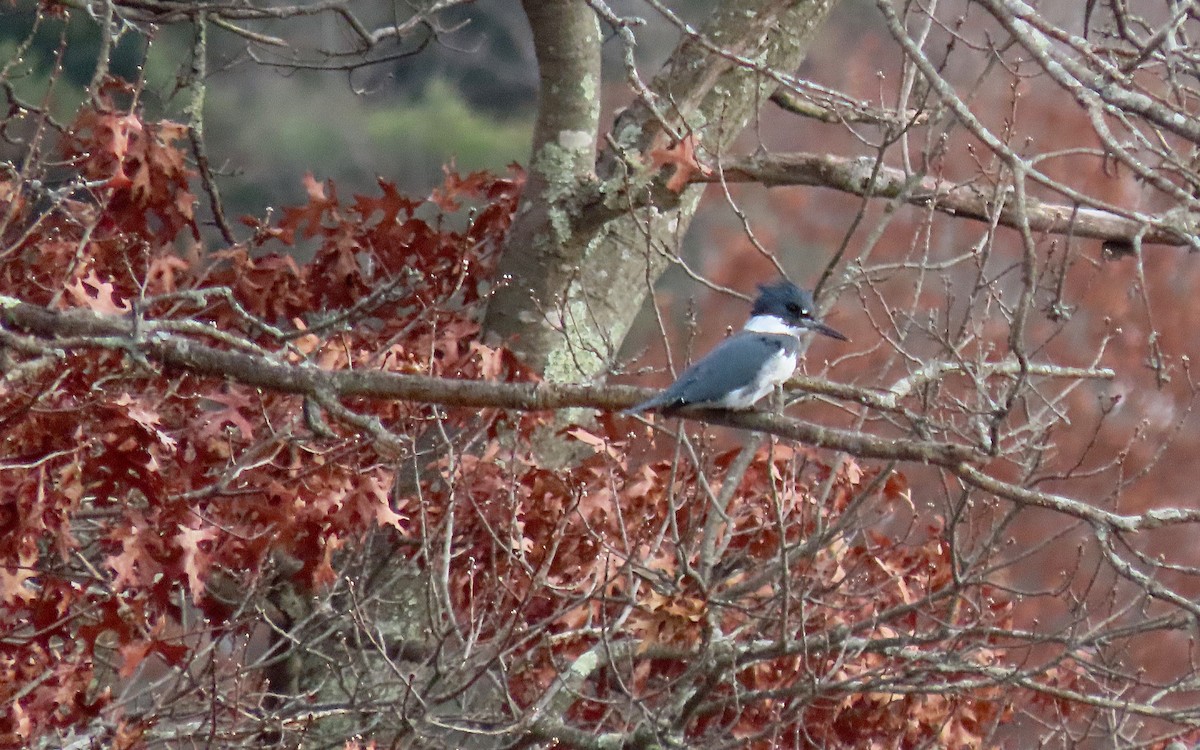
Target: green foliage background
x,y
267,126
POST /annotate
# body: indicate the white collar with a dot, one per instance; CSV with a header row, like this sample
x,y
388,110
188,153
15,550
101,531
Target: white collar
x,y
770,324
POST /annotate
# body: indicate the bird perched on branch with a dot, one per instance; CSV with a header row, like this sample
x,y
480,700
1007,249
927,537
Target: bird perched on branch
x,y
748,365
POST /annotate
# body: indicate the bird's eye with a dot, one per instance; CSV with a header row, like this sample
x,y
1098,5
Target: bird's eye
x,y
795,309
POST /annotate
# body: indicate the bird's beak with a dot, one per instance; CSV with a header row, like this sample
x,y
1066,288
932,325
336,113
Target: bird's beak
x,y
820,327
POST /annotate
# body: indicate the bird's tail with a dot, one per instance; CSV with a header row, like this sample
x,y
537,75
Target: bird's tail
x,y
655,402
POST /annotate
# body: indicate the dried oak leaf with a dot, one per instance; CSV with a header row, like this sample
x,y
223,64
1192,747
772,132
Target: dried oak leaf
x,y
681,156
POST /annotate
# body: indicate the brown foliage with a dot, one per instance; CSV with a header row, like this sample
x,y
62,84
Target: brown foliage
x,y
132,497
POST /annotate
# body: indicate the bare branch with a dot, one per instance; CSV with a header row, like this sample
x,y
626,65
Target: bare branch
x,y
853,175
844,109
83,329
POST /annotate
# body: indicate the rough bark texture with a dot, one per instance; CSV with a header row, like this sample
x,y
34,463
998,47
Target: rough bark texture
x,y
542,249
578,260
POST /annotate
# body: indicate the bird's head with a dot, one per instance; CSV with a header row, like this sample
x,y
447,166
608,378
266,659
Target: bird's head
x,y
783,305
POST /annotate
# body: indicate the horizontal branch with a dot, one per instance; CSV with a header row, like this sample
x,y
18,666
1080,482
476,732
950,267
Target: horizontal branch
x,y
1098,517
49,332
890,399
841,108
936,369
82,329
173,11
853,175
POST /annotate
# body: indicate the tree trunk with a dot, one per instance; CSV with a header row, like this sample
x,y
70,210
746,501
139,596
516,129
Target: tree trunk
x,y
575,271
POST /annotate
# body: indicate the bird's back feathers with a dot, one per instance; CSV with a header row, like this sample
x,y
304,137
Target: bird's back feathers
x,y
729,375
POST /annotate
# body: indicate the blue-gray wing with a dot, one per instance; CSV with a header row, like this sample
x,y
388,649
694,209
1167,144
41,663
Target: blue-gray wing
x,y
732,364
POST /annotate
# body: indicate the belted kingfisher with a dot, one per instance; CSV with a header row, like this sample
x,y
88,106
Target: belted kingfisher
x,y
748,365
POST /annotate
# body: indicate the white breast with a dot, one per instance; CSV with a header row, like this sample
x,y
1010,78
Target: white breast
x,y
776,370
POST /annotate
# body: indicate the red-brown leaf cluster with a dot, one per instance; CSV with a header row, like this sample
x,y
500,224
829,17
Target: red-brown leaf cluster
x,y
559,554
124,489
138,167
130,496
